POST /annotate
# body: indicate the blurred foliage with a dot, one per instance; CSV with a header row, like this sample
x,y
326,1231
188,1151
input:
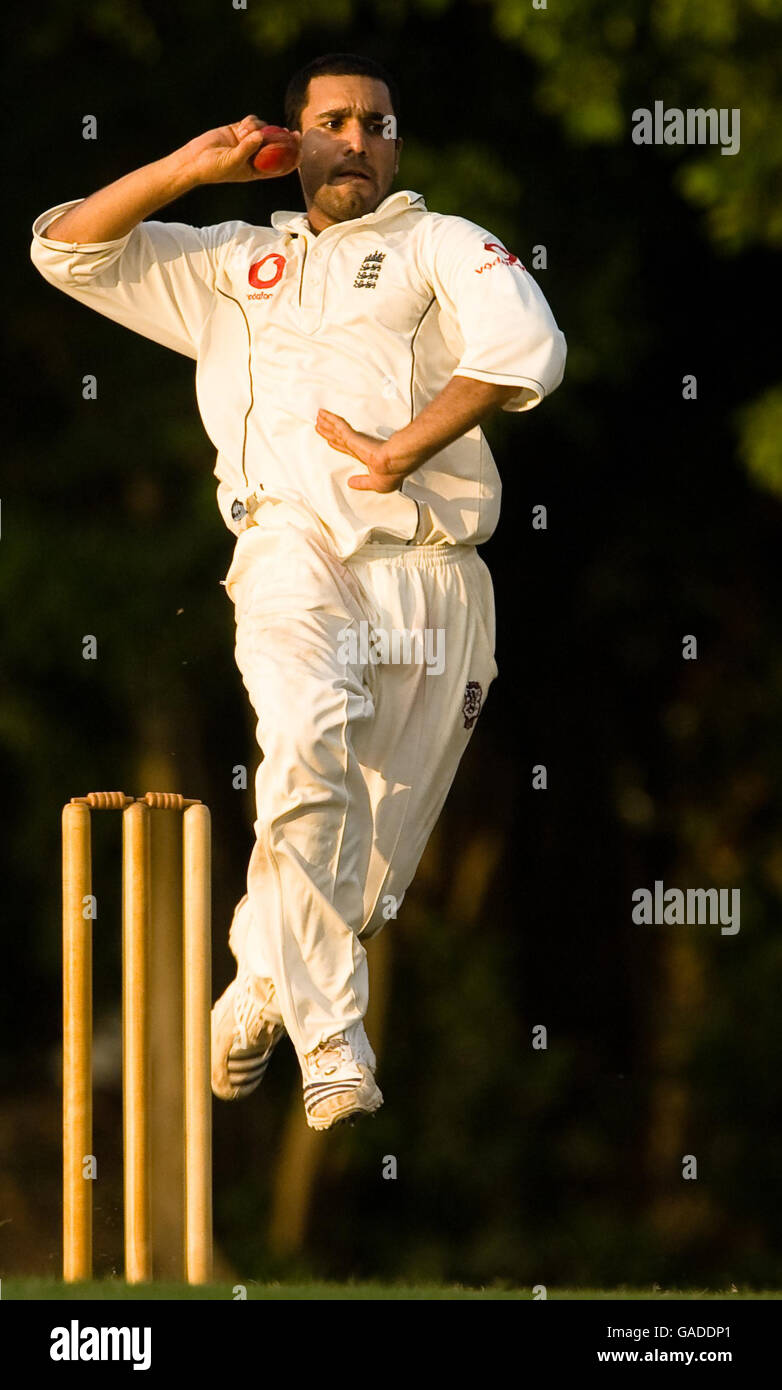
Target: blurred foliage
x,y
599,60
663,520
760,426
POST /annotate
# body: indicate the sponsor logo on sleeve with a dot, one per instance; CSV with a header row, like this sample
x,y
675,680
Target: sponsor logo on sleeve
x,y
501,257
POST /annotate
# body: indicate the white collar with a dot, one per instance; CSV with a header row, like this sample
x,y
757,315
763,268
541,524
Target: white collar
x,y
394,203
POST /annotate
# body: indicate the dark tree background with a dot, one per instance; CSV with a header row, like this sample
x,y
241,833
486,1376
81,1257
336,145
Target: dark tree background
x,y
515,1164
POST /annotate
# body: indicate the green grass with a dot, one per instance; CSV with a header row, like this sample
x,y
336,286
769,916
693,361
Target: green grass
x,y
22,1289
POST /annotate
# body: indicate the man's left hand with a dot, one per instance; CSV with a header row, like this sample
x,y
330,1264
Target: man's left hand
x,y
384,474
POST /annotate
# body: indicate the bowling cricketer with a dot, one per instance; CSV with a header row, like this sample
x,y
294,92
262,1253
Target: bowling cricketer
x,y
346,356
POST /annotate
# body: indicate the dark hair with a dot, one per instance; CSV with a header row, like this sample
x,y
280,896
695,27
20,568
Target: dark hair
x,y
332,65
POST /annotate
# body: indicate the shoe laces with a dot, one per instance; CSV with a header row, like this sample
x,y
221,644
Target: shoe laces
x,y
328,1056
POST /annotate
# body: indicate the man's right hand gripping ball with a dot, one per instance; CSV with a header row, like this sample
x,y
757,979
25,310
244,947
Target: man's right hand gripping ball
x,y
250,149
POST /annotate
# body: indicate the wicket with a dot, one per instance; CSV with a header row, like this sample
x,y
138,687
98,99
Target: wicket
x,y
77,1031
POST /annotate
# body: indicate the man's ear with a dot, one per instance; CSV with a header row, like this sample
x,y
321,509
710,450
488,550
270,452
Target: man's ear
x,y
399,143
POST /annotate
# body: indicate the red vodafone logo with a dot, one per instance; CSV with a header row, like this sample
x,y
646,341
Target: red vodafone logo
x,y
262,279
507,257
501,257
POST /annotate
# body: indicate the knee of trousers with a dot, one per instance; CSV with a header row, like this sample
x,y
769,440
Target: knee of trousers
x,y
287,794
305,732
309,765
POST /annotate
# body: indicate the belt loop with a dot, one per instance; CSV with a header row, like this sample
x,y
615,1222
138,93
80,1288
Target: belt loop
x,y
253,502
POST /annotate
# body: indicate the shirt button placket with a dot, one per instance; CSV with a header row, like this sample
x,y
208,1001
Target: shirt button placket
x,y
312,296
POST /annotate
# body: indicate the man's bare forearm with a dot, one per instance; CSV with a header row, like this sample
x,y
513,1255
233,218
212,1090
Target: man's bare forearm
x,y
460,406
222,155
115,210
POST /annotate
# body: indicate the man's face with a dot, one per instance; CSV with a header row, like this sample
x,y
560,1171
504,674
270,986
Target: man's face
x,y
347,162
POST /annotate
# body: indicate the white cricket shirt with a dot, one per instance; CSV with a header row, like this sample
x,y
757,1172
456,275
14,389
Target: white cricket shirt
x,y
369,319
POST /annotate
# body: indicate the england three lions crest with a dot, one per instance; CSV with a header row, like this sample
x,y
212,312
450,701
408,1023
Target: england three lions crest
x,y
369,270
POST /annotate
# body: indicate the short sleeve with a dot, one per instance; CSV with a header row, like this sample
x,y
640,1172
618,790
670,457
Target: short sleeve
x,y
505,330
159,280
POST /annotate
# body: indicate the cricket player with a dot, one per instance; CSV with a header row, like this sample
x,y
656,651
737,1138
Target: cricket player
x,y
346,356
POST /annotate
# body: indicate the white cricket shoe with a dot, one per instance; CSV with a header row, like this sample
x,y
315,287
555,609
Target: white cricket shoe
x,y
339,1084
243,1039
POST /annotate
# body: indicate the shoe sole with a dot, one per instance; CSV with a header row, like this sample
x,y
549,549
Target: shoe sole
x,y
348,1116
343,1121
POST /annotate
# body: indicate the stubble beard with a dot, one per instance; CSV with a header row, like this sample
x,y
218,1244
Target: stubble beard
x,y
343,203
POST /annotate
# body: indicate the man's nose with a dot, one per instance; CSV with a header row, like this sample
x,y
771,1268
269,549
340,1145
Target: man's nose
x,y
356,137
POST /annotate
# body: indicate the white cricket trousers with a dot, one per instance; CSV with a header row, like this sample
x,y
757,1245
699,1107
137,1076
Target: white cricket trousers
x,y
358,752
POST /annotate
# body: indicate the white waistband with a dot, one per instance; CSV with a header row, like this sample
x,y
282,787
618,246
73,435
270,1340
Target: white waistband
x,y
427,556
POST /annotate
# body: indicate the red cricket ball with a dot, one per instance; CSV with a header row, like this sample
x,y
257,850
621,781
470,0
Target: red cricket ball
x,y
279,153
